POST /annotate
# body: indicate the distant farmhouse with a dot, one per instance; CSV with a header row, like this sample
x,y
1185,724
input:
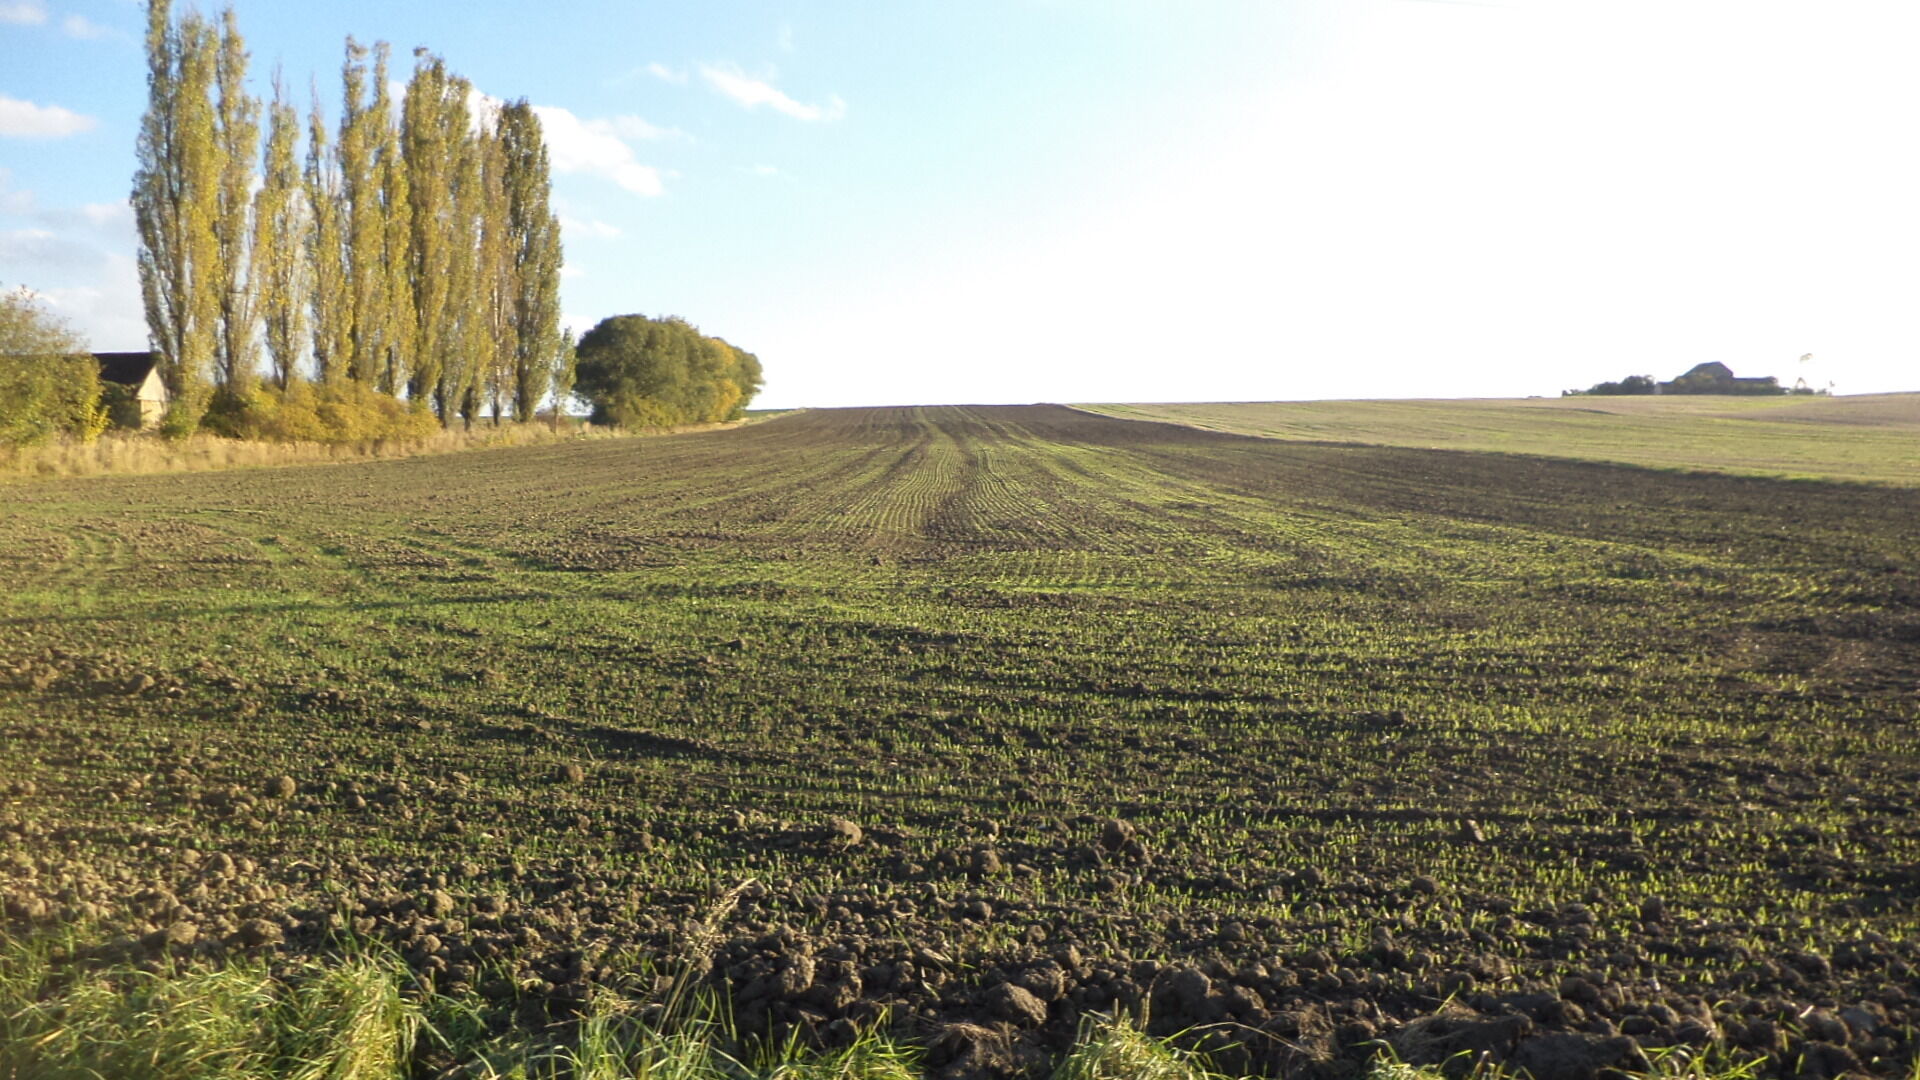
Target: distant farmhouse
x,y
1712,377
136,397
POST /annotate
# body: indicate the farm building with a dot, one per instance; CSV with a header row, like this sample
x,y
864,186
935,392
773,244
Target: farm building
x,y
142,398
1714,377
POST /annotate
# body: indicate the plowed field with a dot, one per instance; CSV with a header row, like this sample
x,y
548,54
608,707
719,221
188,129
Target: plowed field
x,y
1292,742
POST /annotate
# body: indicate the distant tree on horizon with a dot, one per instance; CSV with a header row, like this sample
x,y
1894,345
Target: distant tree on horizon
x,y
652,373
1632,384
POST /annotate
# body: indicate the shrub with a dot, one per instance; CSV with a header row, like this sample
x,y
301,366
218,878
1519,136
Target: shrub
x,y
1632,384
653,373
49,383
345,412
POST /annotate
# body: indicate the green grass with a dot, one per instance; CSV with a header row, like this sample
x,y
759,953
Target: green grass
x,y
1871,438
62,1018
1115,1048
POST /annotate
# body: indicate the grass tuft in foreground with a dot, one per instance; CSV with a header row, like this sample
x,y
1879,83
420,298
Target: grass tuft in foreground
x,y
1116,1049
346,1021
364,1017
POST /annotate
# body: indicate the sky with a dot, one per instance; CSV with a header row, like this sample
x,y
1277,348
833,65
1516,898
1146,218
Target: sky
x,y
1125,200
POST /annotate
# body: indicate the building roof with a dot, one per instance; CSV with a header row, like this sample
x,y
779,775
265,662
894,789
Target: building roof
x,y
126,368
1712,369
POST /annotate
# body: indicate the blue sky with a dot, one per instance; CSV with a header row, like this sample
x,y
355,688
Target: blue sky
x,y
1077,200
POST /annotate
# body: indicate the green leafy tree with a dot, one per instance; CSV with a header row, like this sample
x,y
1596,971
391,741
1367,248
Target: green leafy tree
x,y
49,383
641,372
176,206
1632,384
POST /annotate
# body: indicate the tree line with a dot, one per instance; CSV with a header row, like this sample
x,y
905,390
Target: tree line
x,y
1711,377
411,256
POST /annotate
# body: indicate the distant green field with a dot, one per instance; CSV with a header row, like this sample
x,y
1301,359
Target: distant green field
x,y
1870,437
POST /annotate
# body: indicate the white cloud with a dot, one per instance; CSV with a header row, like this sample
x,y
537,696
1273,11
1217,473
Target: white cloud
x,y
596,227
108,214
105,221
634,127
666,74
107,312
24,119
578,146
79,26
764,170
41,253
482,109
18,241
751,93
23,12
12,201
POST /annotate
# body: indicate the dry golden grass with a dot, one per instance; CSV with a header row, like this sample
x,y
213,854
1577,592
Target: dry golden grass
x,y
128,453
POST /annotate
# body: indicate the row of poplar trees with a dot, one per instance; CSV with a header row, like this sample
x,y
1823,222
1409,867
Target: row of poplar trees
x,y
416,257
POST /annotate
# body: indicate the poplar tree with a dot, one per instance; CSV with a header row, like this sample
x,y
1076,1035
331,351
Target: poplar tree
x,y
176,194
434,127
396,329
363,225
534,246
566,370
467,337
499,284
280,224
237,140
418,257
325,246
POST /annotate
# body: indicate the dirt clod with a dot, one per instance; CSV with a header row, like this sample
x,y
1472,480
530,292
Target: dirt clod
x,y
1017,1005
258,932
1577,1056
